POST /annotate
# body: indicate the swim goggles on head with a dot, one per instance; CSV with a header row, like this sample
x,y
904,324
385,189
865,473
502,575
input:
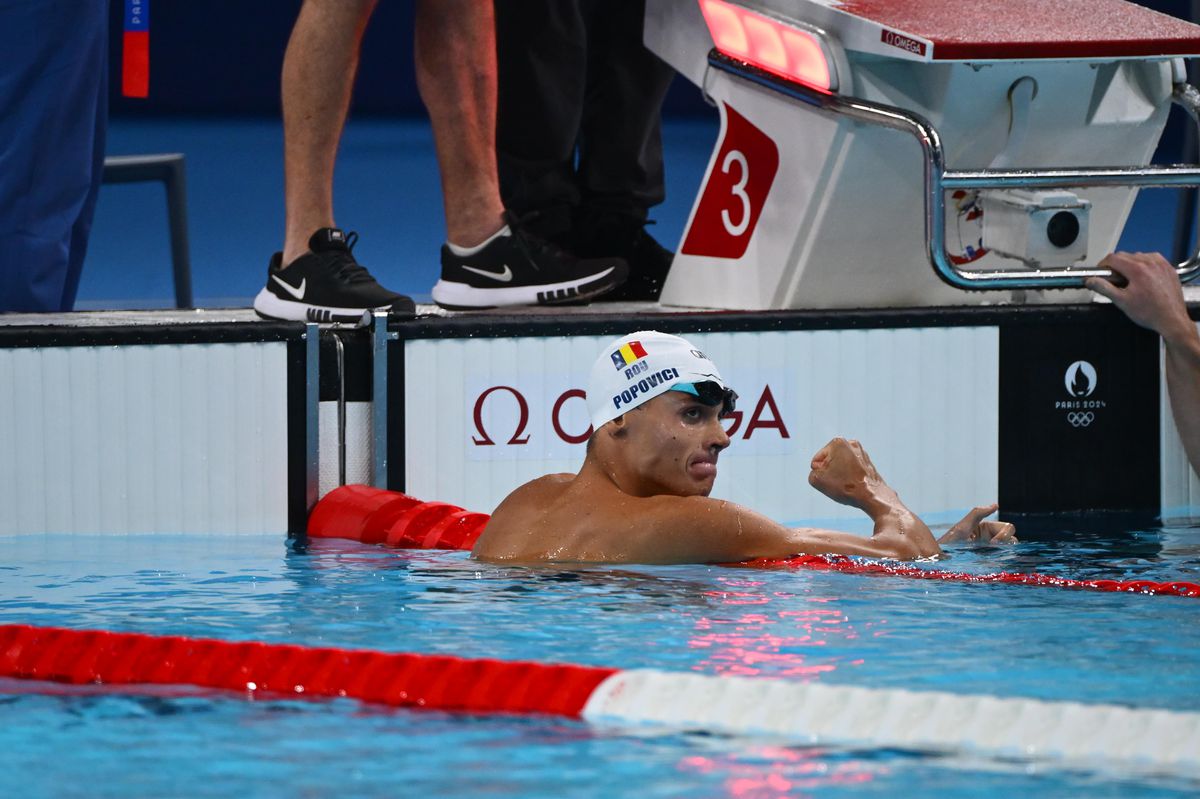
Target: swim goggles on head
x,y
711,394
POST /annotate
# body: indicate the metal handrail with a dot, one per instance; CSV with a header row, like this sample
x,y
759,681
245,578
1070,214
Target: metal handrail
x,y
938,179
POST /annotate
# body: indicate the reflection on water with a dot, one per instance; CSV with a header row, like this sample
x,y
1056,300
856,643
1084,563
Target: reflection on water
x,y
804,625
774,641
796,624
767,772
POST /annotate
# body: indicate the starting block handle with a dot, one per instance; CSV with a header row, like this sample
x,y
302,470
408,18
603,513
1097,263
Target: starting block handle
x,y
939,180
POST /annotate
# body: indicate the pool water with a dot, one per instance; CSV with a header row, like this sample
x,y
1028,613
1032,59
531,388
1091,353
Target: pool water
x,y
801,625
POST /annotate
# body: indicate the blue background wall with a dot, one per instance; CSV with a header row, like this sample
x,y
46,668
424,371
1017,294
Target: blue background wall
x,y
223,57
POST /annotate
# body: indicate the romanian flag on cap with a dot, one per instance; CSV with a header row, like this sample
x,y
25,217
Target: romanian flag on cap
x,y
628,354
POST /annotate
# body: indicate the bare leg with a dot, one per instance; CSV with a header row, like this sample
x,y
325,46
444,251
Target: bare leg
x,y
318,77
455,54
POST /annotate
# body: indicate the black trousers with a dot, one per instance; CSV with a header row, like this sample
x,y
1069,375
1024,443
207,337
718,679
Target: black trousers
x,y
578,130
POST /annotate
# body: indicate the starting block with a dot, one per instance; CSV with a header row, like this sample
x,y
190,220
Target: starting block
x,y
862,142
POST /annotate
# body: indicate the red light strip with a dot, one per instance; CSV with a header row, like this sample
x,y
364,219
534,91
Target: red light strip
x,y
768,44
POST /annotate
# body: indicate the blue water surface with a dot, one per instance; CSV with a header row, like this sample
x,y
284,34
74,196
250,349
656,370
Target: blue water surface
x,y
802,625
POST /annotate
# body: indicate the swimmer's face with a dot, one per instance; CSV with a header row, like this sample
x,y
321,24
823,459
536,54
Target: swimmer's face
x,y
672,443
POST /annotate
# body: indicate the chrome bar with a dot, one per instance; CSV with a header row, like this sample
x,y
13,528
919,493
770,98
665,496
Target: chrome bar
x,y
312,405
379,401
340,350
1146,176
938,180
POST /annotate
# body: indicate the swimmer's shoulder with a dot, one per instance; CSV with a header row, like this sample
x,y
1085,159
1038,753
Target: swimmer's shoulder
x,y
516,528
541,488
535,494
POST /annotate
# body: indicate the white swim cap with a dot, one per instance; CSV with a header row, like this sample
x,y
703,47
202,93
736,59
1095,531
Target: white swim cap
x,y
637,368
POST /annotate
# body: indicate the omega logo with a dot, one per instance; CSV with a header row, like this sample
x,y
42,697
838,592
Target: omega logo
x,y
485,440
765,416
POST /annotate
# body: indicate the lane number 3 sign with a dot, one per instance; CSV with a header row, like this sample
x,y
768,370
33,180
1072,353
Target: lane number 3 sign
x,y
734,193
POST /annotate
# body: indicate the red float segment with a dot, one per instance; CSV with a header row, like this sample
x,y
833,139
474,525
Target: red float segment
x,y
456,531
410,529
376,526
356,510
411,680
375,516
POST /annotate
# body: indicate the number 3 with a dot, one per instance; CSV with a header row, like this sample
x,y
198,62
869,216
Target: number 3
x,y
739,191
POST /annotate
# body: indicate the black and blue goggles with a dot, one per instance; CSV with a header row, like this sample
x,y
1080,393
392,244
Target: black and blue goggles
x,y
711,394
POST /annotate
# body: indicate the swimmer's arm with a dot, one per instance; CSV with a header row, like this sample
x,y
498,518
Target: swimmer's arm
x,y
1183,386
701,530
1152,297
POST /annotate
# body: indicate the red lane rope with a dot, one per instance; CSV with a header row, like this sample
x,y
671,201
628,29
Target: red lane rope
x,y
434,681
376,516
841,563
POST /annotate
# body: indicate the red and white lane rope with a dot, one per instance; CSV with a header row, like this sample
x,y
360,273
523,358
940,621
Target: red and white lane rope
x,y
1103,736
375,516
434,681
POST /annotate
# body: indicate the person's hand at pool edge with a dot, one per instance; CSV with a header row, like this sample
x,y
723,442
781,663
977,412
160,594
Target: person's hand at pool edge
x,y
975,527
1151,295
1153,298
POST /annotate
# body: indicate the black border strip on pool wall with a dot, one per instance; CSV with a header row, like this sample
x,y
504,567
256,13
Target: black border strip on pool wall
x,y
297,438
497,325
148,334
396,465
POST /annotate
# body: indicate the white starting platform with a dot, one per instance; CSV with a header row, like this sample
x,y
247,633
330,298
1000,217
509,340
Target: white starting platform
x,y
904,153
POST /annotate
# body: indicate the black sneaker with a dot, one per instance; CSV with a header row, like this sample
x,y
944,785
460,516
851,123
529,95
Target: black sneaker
x,y
523,269
325,285
625,237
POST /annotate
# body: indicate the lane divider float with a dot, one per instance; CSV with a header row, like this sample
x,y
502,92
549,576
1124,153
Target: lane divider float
x,y
1093,735
444,682
375,516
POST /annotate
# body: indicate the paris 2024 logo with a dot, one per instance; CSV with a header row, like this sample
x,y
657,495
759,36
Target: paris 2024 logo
x,y
1080,381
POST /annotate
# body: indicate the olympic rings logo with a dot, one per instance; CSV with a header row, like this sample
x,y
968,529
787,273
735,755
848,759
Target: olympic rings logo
x,y
1081,419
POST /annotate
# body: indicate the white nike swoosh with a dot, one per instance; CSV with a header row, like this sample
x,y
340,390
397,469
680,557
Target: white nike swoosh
x,y
503,277
295,291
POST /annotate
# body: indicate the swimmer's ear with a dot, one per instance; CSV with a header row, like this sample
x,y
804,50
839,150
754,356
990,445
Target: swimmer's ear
x,y
618,426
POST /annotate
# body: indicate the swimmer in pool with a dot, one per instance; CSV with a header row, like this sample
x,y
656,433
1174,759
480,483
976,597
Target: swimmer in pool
x,y
1153,298
656,404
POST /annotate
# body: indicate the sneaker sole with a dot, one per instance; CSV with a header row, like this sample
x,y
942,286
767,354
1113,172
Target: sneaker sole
x,y
269,306
464,297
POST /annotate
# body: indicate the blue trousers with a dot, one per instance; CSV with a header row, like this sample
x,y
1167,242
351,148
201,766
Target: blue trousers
x,y
53,115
